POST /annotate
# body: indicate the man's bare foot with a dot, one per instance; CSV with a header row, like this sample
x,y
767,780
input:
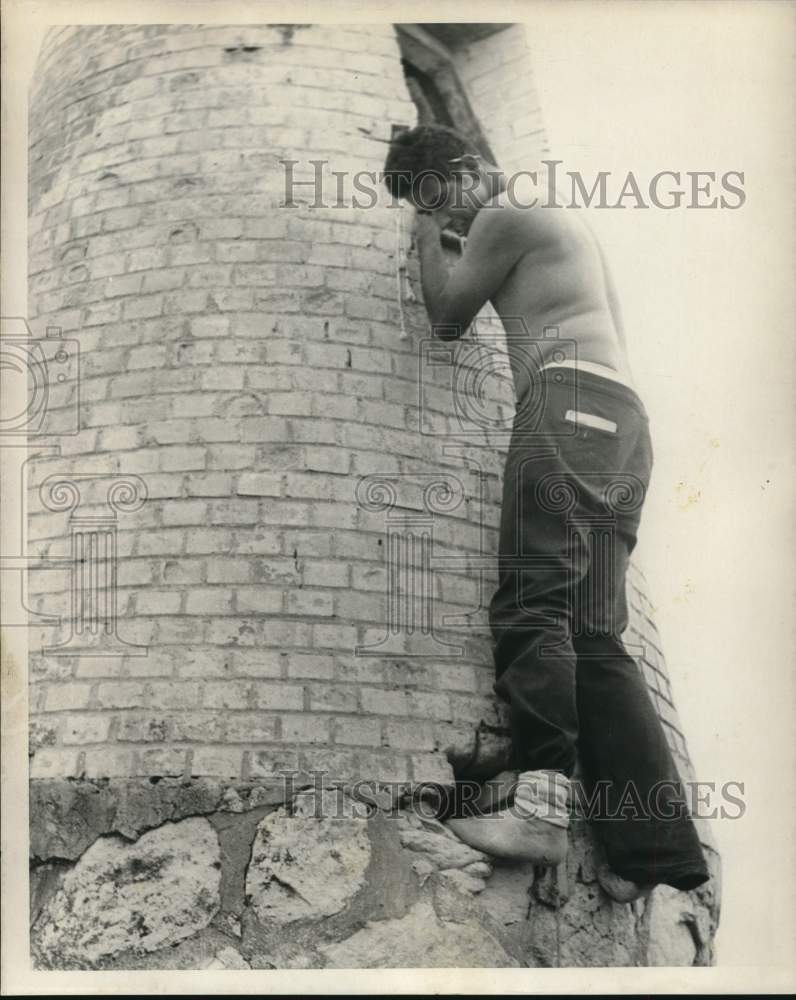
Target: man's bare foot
x,y
507,835
533,828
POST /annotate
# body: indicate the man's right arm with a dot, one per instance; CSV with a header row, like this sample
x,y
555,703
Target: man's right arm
x,y
495,244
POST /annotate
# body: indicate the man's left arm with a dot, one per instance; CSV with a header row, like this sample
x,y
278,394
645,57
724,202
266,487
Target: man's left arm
x,y
454,298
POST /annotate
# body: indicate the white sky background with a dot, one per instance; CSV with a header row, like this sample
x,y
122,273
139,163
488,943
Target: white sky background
x,y
709,315
706,297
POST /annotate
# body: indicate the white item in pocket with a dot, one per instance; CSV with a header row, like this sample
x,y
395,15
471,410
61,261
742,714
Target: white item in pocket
x,y
590,420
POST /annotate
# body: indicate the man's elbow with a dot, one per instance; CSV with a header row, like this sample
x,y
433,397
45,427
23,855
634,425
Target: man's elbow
x,y
447,331
448,324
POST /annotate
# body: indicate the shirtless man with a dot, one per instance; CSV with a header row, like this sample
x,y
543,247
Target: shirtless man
x,y
575,694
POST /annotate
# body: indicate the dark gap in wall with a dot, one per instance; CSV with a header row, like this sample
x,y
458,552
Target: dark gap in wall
x,y
437,91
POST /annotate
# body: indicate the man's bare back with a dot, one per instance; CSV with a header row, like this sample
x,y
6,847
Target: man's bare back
x,y
540,264
561,280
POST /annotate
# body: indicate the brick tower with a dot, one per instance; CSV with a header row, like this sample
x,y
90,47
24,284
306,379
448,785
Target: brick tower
x,y
267,518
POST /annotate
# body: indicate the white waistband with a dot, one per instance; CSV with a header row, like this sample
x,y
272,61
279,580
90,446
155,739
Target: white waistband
x,y
593,367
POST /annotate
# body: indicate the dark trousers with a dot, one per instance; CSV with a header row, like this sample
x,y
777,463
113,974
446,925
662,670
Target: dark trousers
x,y
572,498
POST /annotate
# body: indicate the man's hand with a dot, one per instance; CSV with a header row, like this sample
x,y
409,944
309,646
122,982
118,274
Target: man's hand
x,y
426,226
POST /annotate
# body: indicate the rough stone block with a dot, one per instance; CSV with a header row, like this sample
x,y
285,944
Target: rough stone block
x,y
132,897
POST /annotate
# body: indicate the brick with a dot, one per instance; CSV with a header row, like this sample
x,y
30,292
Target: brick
x,y
271,763
229,570
264,429
457,676
259,541
309,665
103,312
332,698
409,735
325,573
167,761
364,607
222,379
197,726
250,727
121,218
288,403
334,637
230,457
43,732
309,602
143,307
384,702
142,729
109,762
471,709
314,487
135,572
368,360
305,729
51,762
184,512
259,484
246,352
179,459
259,662
217,762
337,460
228,694
357,731
158,602
61,697
278,697
386,766
148,356
156,663
210,484
127,284
179,629
234,512
431,767
201,662
175,694
208,540
120,694
209,600
180,303
218,229
258,600
210,326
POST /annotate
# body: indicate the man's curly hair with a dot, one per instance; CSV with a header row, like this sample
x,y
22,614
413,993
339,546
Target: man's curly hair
x,y
422,150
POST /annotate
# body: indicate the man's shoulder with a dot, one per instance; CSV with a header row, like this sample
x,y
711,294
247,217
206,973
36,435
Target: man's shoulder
x,y
499,215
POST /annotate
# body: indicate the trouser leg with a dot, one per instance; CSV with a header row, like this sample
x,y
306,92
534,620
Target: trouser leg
x,y
530,618
639,813
560,661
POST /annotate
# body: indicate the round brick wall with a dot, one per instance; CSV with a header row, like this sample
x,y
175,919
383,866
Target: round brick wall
x,y
262,432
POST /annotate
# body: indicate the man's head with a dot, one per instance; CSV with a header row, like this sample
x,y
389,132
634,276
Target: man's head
x,y
437,169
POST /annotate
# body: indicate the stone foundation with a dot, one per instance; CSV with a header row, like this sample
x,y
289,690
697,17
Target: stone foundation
x,y
136,874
